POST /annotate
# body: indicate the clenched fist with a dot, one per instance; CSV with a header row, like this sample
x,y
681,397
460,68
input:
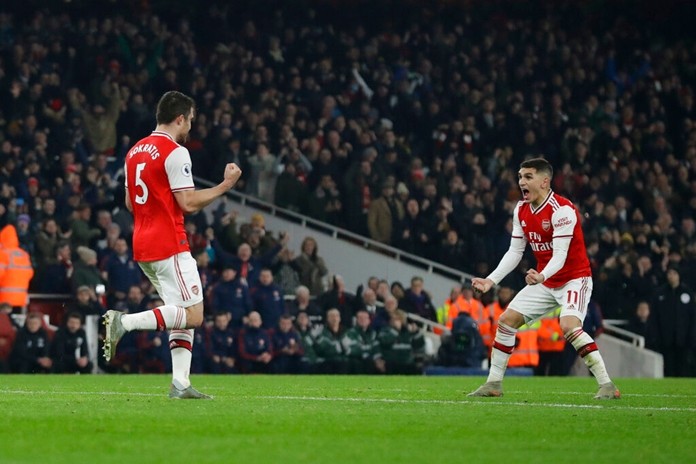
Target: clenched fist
x,y
232,173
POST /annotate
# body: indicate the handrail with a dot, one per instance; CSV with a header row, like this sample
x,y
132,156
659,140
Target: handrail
x,y
337,232
428,323
610,325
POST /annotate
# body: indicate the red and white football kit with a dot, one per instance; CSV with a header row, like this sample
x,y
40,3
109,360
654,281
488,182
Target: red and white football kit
x,y
156,167
554,232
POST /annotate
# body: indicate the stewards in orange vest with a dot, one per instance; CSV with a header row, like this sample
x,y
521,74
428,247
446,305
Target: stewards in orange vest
x,y
497,308
551,344
526,352
15,269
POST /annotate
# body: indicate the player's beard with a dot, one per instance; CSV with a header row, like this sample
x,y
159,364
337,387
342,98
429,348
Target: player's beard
x,y
182,138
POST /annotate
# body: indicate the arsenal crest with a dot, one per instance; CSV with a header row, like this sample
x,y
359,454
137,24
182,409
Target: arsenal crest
x,y
546,224
194,289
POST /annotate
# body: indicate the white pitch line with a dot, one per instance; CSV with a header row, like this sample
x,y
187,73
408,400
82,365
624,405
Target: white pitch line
x,y
623,395
483,402
103,393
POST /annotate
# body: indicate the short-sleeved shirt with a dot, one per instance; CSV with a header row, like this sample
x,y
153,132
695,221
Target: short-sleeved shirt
x,y
156,167
555,217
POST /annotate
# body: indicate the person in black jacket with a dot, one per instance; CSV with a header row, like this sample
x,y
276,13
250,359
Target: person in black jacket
x,y
31,349
69,349
674,320
417,301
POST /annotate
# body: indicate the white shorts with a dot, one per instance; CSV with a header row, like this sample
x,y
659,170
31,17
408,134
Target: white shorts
x,y
533,301
176,279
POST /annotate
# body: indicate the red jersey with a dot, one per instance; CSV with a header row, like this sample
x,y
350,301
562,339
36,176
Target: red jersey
x,y
156,167
555,217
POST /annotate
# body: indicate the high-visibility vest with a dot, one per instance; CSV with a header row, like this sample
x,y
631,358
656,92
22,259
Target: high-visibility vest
x,y
495,310
550,336
526,352
443,312
454,308
15,269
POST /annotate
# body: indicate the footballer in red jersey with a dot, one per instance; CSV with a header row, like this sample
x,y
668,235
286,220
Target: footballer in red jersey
x,y
159,191
551,225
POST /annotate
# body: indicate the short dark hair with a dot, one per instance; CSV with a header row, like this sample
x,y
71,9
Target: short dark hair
x,y
540,164
172,105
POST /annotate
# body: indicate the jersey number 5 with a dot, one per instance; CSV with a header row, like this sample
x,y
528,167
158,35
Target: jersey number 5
x,y
140,199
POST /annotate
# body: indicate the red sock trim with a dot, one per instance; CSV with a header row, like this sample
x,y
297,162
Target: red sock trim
x,y
503,348
160,319
176,343
587,349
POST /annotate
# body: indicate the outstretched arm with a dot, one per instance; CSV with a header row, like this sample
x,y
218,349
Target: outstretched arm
x,y
192,200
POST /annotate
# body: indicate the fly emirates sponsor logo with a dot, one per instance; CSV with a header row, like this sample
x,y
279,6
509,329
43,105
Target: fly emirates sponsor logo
x,y
147,148
537,245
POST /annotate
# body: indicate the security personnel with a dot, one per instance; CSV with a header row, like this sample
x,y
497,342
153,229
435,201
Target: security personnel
x,y
16,270
526,352
480,313
449,307
551,344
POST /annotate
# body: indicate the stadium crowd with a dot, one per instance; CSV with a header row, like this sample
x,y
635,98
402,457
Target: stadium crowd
x,y
407,131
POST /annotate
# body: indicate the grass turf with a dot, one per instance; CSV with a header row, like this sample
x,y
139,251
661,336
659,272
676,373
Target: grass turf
x,y
308,419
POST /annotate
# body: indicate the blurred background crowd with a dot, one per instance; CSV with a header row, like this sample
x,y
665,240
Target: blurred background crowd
x,y
406,128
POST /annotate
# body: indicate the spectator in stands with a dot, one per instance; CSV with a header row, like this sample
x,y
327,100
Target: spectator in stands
x,y
56,277
86,303
402,345
417,301
255,349
99,122
311,266
386,313
337,297
331,356
222,345
369,302
16,270
81,233
231,295
26,235
267,299
86,270
8,333
287,348
46,241
304,327
136,301
674,319
284,273
640,323
69,350
303,303
120,271
262,178
385,215
361,346
200,355
248,267
31,353
324,202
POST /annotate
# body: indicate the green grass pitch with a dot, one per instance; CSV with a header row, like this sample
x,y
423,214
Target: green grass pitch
x,y
316,419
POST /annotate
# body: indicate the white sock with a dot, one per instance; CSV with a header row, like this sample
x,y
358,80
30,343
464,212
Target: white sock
x,y
181,344
503,345
161,318
587,349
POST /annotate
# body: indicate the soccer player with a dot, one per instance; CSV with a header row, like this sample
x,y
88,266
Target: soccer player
x,y
550,224
159,191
